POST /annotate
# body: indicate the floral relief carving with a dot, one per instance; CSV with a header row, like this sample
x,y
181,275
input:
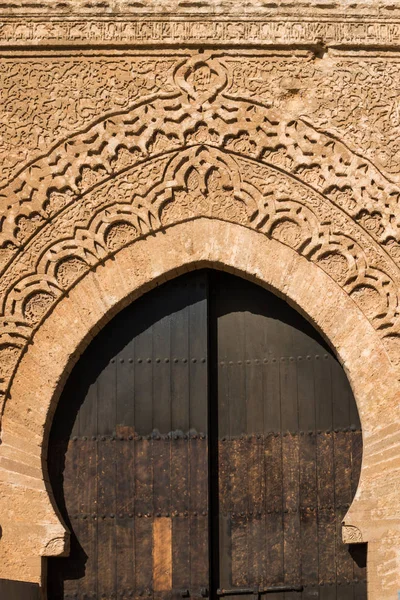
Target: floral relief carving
x,y
287,231
336,265
119,234
173,119
68,270
43,100
207,139
357,105
36,305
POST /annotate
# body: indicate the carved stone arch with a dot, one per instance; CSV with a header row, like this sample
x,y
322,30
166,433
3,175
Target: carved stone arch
x,y
199,112
183,183
196,174
128,273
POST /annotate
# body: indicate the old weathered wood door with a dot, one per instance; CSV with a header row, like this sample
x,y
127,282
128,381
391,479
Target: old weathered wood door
x,y
289,453
207,444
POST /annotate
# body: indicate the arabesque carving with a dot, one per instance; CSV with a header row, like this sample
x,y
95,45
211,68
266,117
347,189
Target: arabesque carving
x,y
359,107
379,26
206,138
66,94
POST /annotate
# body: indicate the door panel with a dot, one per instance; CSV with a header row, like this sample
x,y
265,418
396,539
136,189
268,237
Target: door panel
x,y
207,444
289,452
132,425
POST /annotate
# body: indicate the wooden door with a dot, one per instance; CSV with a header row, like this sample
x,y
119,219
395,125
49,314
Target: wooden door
x,y
289,453
207,444
131,434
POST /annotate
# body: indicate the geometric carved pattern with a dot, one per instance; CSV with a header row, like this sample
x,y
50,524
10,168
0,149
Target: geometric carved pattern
x,y
196,146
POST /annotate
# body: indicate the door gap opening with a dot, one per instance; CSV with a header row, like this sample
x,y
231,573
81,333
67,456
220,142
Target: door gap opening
x,y
214,550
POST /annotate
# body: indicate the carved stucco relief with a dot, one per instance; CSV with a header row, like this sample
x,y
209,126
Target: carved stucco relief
x,y
108,154
43,100
360,107
275,143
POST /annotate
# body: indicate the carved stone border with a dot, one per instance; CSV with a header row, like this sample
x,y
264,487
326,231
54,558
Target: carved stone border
x,y
259,31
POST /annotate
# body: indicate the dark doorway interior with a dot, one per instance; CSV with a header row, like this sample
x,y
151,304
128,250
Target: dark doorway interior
x,y
207,444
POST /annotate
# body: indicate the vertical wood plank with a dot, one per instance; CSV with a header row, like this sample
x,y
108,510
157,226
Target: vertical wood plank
x,y
272,396
291,520
274,509
180,473
197,355
306,395
323,392
125,509
326,508
143,515
256,522
288,391
143,382
143,554
179,328
106,399
106,472
237,386
225,549
180,497
356,459
225,476
254,350
161,374
181,552
125,558
143,476
125,387
343,496
162,554
341,396
256,549
161,446
308,508
199,552
239,525
87,416
106,562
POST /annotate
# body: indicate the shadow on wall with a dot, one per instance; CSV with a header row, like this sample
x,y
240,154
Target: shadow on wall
x,y
17,590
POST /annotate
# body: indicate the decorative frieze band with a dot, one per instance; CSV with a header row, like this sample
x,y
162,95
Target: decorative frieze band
x,y
265,32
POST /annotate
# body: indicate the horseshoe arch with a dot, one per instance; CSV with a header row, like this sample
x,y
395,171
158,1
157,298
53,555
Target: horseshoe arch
x,y
191,178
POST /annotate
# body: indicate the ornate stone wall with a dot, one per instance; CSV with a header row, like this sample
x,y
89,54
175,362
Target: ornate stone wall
x,y
134,145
